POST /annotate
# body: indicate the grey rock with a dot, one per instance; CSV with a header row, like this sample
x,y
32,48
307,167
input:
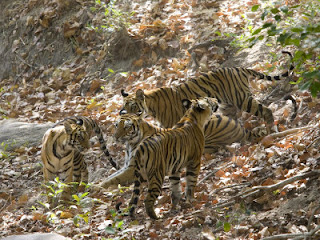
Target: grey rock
x,y
37,236
248,56
14,134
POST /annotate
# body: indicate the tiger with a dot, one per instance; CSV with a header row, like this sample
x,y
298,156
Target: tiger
x,y
229,85
131,129
168,152
62,150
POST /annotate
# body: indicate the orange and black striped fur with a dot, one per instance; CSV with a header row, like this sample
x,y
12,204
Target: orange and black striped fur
x,y
131,129
63,146
168,152
229,85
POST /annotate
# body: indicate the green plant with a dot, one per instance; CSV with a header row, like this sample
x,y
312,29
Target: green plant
x,y
54,189
296,26
116,224
4,154
114,19
80,207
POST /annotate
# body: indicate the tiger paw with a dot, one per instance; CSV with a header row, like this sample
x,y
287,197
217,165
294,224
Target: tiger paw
x,y
152,214
259,132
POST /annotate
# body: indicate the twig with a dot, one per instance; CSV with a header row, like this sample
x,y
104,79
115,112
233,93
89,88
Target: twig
x,y
229,186
214,171
283,183
291,131
21,59
260,190
296,236
314,140
312,216
201,45
225,204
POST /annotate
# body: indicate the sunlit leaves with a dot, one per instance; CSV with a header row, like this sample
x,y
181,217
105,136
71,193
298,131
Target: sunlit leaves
x,y
284,8
282,27
255,8
226,226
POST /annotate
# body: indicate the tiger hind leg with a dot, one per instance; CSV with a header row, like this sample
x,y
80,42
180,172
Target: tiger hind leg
x,y
154,190
229,110
48,176
252,106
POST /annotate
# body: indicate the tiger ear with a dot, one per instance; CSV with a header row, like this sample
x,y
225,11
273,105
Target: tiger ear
x,y
67,127
186,103
140,94
123,93
201,106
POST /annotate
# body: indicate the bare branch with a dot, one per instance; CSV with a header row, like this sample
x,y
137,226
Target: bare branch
x,y
260,190
296,236
291,131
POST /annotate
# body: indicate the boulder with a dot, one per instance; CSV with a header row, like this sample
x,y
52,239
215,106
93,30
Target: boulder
x,y
37,236
14,133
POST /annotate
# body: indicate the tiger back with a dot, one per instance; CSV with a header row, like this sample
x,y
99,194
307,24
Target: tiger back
x,y
222,130
167,153
229,85
62,150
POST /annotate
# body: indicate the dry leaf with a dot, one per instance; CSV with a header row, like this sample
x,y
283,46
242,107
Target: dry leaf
x,y
267,141
65,215
23,199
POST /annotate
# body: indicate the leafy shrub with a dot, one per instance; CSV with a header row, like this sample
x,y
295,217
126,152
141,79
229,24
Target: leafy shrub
x,y
114,19
296,26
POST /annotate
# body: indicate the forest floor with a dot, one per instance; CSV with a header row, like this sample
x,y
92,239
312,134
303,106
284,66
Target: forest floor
x,y
65,58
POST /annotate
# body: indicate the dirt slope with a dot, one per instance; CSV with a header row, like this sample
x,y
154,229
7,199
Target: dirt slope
x,y
58,61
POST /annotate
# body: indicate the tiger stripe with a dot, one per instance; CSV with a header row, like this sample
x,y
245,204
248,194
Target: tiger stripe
x,y
229,85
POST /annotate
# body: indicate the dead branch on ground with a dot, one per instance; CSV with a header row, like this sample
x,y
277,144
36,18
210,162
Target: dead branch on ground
x,y
295,236
291,131
258,191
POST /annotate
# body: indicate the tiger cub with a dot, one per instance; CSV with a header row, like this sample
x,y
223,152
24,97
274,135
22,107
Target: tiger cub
x,y
131,129
229,85
62,150
168,152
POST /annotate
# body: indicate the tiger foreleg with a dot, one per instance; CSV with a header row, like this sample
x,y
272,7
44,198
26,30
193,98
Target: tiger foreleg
x,y
124,176
175,190
80,172
191,177
135,194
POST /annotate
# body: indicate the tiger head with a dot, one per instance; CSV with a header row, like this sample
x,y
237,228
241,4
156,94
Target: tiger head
x,y
133,103
77,135
201,109
127,127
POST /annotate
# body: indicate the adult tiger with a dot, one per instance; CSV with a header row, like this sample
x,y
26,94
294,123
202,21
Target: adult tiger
x,y
63,146
168,152
131,129
229,85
